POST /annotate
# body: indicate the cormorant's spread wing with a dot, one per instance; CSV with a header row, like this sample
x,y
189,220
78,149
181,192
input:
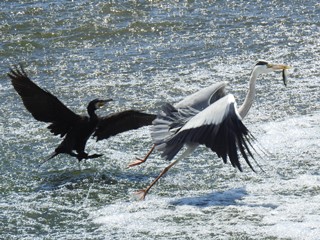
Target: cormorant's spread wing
x,y
120,122
218,127
42,104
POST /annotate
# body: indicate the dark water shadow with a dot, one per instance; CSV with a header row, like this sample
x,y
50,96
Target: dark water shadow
x,y
225,198
71,178
76,178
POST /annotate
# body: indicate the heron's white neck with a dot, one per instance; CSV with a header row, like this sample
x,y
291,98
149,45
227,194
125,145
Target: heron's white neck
x,y
248,101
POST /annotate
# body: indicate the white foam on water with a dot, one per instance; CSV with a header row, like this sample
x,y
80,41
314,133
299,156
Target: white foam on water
x,y
263,206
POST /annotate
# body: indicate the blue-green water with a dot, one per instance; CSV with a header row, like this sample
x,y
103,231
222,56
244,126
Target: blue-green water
x,y
144,53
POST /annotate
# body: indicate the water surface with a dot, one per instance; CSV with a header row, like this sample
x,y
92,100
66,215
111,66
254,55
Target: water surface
x,y
142,54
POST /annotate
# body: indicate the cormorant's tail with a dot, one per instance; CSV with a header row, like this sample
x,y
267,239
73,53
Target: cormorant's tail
x,y
50,157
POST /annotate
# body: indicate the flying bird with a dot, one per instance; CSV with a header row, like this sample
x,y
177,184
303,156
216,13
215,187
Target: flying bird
x,y
73,128
208,117
199,101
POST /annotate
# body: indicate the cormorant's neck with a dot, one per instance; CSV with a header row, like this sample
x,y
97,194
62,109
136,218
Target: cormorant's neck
x,y
92,114
245,107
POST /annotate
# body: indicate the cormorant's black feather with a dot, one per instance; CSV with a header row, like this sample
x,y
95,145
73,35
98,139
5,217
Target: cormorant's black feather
x,y
75,129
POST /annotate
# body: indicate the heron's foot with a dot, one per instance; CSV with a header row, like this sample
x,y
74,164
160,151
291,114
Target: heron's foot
x,y
137,162
141,194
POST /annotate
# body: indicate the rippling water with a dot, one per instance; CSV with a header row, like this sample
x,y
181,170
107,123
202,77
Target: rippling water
x,y
143,53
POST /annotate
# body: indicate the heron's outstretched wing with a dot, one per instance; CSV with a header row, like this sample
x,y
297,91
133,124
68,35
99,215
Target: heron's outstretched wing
x,y
42,104
120,122
172,118
218,127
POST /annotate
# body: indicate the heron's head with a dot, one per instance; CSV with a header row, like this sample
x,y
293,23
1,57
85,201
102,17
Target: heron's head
x,y
266,67
97,103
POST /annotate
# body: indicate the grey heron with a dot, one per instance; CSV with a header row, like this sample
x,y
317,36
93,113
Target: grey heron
x,y
208,117
198,100
75,129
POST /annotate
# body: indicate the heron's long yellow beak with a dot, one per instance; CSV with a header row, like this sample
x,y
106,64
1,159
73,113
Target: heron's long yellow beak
x,y
279,66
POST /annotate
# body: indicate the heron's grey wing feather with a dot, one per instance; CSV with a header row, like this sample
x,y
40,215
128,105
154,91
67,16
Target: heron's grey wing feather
x,y
172,118
169,121
204,97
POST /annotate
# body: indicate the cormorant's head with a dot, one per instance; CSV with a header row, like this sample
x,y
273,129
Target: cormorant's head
x,y
266,67
97,103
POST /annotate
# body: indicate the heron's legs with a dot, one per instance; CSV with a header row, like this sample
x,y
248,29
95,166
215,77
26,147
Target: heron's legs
x,y
143,192
138,161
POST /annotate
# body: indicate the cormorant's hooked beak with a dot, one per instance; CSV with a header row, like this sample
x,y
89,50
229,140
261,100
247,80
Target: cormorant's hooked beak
x,y
101,103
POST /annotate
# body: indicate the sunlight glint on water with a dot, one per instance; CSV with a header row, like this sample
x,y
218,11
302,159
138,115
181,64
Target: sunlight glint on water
x,y
142,54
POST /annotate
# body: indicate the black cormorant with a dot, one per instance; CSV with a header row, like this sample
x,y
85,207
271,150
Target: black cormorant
x,y
75,129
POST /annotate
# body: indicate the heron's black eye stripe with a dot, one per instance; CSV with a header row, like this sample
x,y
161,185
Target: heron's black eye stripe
x,y
261,63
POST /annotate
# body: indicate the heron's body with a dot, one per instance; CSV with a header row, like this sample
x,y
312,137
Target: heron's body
x,y
195,102
76,129
224,133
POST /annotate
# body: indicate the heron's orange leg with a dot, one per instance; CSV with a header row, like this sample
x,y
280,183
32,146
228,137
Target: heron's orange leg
x,y
143,192
138,161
